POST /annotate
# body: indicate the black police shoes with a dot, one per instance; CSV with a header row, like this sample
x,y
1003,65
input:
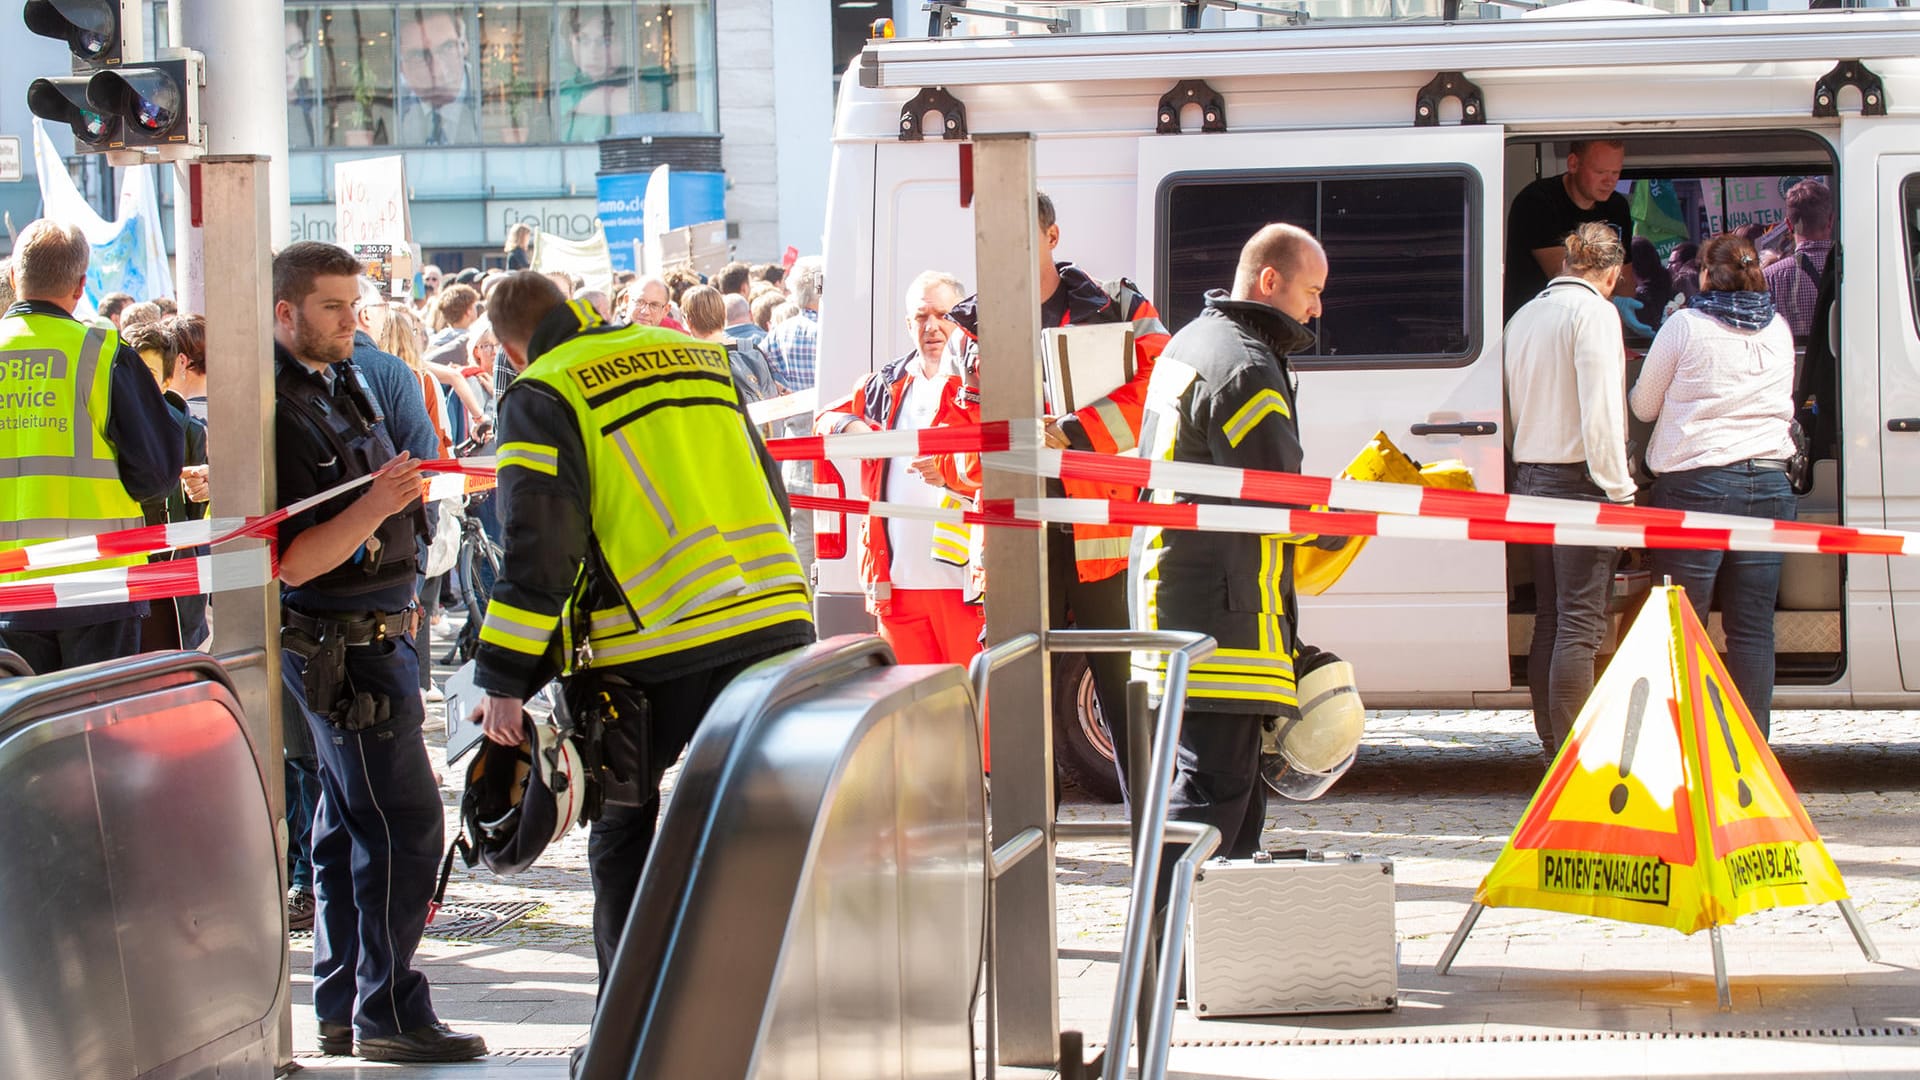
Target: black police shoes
x,y
435,1042
336,1040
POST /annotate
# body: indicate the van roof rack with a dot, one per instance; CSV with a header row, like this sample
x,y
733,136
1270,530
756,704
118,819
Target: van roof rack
x,y
945,15
1066,16
1352,48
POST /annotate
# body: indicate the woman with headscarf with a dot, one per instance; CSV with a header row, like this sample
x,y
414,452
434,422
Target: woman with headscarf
x,y
1718,387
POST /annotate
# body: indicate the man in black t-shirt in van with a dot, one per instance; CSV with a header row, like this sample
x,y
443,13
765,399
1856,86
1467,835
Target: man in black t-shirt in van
x,y
1548,209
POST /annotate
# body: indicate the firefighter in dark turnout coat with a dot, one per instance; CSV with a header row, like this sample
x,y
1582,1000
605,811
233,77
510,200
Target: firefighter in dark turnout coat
x,y
1222,394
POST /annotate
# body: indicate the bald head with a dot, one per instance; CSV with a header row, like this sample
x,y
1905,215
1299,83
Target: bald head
x,y
1284,267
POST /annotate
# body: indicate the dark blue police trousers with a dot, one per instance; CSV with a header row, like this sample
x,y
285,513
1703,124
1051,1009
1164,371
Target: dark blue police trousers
x,y
378,835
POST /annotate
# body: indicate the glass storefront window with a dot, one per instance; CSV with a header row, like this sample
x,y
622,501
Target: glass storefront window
x,y
676,55
594,70
354,71
439,103
500,73
515,48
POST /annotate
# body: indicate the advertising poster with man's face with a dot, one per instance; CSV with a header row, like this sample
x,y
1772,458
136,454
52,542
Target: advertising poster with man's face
x,y
596,66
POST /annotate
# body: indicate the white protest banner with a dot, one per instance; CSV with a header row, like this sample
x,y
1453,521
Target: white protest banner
x,y
654,214
371,219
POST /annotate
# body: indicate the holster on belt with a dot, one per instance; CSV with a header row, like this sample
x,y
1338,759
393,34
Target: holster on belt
x,y
322,642
613,728
324,678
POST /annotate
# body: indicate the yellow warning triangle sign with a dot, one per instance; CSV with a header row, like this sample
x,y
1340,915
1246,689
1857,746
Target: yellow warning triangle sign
x,y
1665,806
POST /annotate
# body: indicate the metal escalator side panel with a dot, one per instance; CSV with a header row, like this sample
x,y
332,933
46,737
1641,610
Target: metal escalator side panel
x,y
675,861
140,921
63,998
883,948
805,946
193,854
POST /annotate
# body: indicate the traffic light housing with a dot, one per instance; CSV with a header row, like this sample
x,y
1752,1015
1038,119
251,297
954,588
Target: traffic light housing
x,y
96,31
64,101
152,107
118,101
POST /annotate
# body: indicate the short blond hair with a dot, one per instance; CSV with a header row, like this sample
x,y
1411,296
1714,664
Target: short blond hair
x,y
706,311
50,258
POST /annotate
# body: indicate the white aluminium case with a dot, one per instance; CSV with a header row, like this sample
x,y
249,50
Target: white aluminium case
x,y
1298,933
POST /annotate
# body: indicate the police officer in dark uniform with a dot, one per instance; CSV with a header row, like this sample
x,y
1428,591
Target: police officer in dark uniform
x,y
347,567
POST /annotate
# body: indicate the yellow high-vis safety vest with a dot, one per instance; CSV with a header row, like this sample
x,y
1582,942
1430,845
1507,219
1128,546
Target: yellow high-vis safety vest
x,y
58,476
681,509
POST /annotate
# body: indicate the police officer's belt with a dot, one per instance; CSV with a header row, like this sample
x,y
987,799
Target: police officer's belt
x,y
357,627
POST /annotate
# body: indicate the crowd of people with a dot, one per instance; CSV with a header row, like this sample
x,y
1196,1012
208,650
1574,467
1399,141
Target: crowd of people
x,y
665,594
1718,383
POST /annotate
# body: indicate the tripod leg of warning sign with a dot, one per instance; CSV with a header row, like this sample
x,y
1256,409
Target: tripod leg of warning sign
x,y
1859,930
1459,938
1720,970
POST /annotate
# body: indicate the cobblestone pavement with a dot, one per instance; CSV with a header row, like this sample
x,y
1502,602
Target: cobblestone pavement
x,y
1438,793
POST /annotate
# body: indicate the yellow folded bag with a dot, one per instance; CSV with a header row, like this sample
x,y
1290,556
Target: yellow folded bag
x,y
1314,569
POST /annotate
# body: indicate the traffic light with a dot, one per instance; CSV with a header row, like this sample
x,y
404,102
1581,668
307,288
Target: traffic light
x,y
96,34
64,100
118,101
152,107
94,30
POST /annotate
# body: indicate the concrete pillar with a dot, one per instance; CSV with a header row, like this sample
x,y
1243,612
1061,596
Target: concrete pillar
x,y
244,107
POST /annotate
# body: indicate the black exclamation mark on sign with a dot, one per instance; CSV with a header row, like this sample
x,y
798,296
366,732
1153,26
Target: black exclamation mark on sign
x,y
1636,711
1726,729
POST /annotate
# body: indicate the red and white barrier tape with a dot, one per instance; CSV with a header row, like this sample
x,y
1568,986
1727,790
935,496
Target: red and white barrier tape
x,y
1401,511
1469,515
1412,501
980,438
449,479
246,569
773,410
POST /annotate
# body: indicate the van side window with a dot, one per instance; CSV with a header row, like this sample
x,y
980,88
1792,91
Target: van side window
x,y
1910,213
1402,278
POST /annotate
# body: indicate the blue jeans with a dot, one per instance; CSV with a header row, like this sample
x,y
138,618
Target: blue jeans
x,y
1570,587
1746,583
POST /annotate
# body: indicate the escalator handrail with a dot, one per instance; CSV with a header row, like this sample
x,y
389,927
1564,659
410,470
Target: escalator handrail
x,y
13,665
713,759
31,698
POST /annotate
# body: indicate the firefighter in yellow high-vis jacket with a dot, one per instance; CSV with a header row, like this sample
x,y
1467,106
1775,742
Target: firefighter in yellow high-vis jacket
x,y
647,557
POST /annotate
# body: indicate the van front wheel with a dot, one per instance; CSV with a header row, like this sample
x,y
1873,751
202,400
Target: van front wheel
x,y
1082,741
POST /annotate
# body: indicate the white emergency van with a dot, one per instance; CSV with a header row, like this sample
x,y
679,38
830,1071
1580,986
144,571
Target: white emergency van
x,y
1401,145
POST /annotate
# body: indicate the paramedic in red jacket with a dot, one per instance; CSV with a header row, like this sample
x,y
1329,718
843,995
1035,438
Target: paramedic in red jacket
x,y
919,599
1086,564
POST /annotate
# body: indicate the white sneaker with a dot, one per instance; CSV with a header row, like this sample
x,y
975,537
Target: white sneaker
x,y
434,693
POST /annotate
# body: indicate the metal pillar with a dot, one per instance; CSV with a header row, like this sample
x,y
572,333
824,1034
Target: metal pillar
x,y
1006,264
244,108
240,407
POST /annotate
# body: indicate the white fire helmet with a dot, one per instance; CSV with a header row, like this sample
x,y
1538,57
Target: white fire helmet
x,y
1306,754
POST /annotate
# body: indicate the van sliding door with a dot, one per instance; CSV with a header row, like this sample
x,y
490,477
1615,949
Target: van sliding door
x,y
1888,261
1410,344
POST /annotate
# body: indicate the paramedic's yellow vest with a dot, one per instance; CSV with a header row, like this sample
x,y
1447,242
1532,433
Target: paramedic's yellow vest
x,y
58,477
681,508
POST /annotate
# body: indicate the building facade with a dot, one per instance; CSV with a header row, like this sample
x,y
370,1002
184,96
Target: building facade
x,y
498,109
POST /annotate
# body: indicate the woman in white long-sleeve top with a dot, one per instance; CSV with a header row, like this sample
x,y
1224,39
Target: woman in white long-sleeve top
x,y
1718,385
1567,425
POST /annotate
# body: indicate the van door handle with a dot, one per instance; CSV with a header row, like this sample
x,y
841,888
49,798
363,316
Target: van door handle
x,y
1467,427
1904,423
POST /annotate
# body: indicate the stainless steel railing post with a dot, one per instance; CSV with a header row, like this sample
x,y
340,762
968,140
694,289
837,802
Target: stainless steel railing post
x,y
1026,842
1183,649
